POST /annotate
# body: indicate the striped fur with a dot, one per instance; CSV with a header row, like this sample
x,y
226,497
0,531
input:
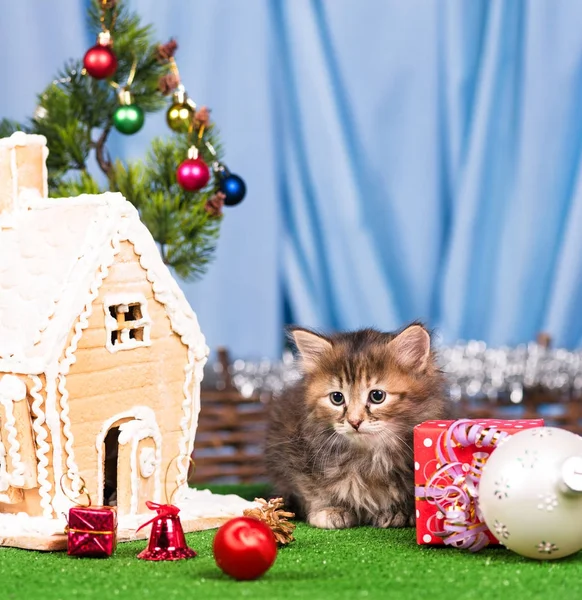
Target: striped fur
x,y
334,475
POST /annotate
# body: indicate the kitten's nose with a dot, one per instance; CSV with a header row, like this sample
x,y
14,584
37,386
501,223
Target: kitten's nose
x,y
355,423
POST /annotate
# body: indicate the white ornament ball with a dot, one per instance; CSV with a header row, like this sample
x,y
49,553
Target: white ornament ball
x,y
530,493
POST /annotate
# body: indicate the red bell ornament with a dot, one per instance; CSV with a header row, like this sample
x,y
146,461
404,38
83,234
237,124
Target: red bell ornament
x,y
100,60
193,173
167,540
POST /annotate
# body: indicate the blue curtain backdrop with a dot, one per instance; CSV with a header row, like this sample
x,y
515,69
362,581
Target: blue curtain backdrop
x,y
417,159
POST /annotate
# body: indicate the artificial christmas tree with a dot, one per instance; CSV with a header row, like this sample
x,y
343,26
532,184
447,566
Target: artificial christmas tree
x,y
121,79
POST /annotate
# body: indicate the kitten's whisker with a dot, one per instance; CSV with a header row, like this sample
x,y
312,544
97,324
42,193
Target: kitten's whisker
x,y
320,449
289,440
330,439
324,451
333,450
398,437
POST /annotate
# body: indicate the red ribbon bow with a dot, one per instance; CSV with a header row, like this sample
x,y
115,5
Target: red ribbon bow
x,y
163,510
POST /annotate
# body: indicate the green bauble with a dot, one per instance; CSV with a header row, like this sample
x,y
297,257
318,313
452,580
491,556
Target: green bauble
x,y
128,118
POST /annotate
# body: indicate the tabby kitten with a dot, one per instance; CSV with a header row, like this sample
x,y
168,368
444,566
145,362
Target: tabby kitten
x,y
339,442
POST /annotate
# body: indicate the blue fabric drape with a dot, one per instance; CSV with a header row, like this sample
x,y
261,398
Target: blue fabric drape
x,y
432,165
404,160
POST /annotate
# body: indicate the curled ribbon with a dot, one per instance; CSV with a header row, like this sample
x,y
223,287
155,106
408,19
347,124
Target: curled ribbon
x,y
454,489
163,510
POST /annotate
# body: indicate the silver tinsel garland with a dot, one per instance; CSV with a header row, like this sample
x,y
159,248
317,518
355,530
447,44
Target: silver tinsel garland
x,y
473,370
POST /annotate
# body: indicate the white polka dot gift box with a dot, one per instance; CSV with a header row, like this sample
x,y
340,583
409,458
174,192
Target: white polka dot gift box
x,y
448,461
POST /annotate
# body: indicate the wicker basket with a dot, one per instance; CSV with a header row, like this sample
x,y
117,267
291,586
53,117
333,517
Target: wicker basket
x,y
231,433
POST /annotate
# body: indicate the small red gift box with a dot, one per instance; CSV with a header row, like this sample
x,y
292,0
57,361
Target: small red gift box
x,y
448,459
92,531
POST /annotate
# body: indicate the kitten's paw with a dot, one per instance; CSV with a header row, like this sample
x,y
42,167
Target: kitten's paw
x,y
393,519
332,518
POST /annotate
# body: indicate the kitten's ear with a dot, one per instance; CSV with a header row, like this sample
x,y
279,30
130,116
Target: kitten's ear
x,y
411,348
310,345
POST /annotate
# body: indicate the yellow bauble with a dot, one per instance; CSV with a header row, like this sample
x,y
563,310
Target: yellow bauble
x,y
180,116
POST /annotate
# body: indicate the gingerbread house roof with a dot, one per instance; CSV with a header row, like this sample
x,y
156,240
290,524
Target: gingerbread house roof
x,y
54,254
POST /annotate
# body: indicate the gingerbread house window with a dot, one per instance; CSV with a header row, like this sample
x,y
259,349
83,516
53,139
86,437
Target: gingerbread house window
x,y
127,323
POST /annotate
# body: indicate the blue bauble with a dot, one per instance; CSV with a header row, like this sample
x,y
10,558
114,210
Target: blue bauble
x,y
234,188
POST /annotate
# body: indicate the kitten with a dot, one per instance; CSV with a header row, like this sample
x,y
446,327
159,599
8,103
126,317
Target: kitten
x,y
339,442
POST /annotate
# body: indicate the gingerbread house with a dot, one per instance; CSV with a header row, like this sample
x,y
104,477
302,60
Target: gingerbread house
x,y
101,359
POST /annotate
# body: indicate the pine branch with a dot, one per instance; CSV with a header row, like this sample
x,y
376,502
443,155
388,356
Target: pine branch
x,y
101,153
179,222
75,114
75,186
8,127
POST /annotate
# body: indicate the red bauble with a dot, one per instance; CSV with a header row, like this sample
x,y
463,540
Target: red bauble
x,y
100,61
193,174
244,548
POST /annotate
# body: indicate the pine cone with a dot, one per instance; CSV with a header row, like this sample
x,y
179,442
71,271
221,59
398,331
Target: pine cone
x,y
214,204
108,4
203,116
273,514
168,83
167,50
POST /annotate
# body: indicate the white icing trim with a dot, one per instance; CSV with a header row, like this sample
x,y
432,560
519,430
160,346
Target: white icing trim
x,y
72,469
111,200
186,424
117,221
65,365
185,324
22,524
140,413
4,478
111,325
98,273
45,153
195,408
135,431
14,175
166,291
13,390
100,247
196,504
19,138
147,462
60,502
42,448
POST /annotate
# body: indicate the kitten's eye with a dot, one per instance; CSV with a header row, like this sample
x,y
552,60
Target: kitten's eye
x,y
337,398
377,396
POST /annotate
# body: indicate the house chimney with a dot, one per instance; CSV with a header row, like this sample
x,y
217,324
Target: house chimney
x,y
22,167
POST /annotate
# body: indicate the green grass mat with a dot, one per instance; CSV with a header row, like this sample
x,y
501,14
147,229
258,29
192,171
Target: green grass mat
x,y
349,564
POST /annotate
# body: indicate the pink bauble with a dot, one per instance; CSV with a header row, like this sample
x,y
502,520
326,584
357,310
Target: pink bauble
x,y
193,174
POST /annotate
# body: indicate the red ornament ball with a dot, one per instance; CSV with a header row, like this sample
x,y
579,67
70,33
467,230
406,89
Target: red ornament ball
x,y
193,174
100,61
244,548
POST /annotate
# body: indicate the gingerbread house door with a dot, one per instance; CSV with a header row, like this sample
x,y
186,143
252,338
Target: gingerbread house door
x,y
131,467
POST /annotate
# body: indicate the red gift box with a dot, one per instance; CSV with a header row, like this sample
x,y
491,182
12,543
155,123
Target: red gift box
x,y
92,531
448,460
